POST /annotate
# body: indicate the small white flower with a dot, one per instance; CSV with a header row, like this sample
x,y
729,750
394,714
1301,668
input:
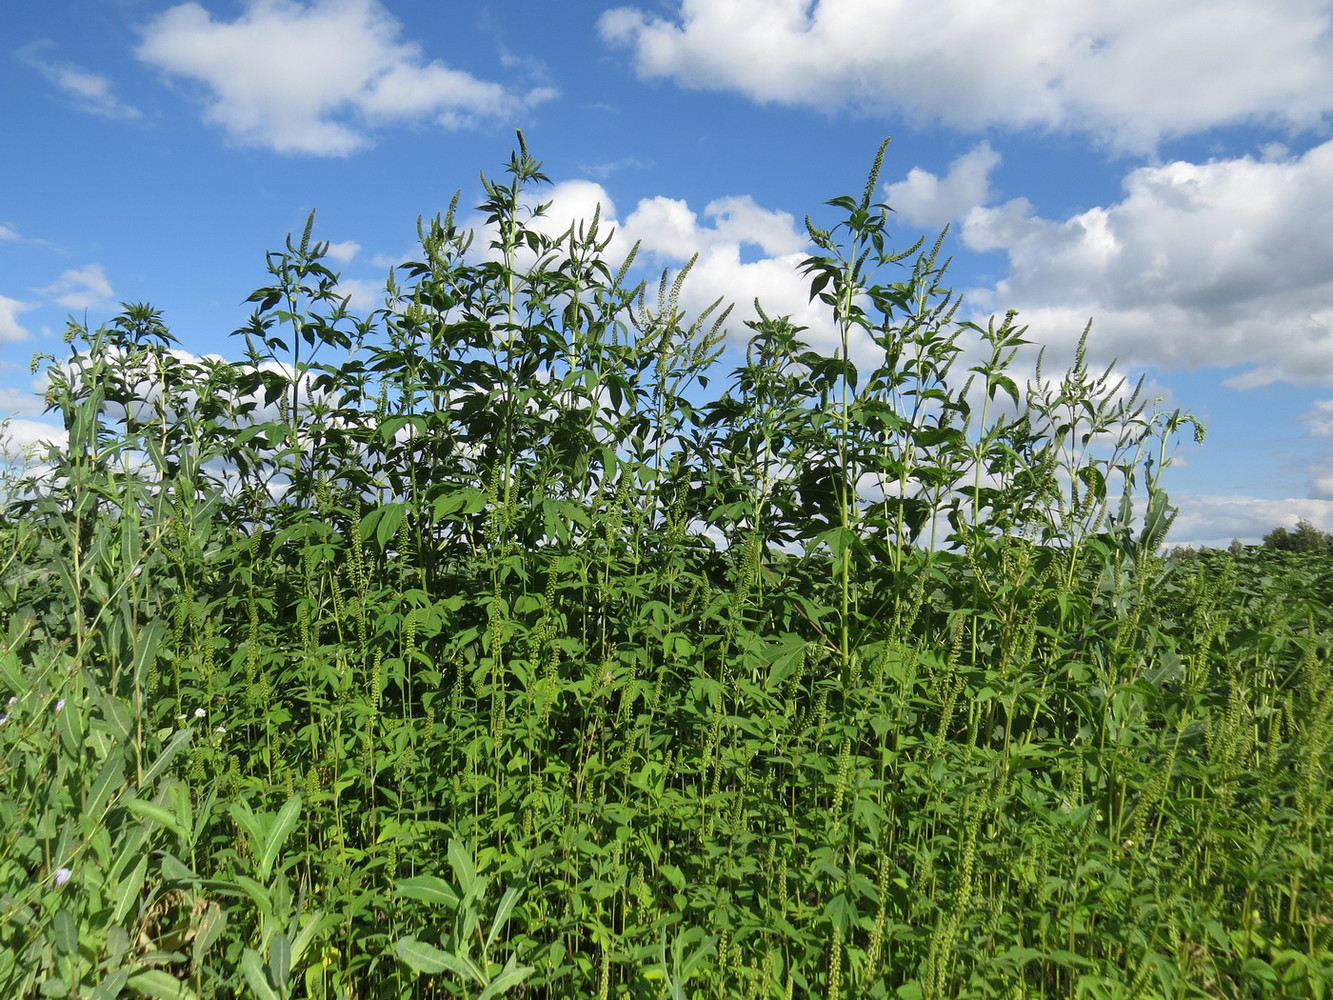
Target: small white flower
x,y
11,702
220,729
62,875
199,713
60,704
4,718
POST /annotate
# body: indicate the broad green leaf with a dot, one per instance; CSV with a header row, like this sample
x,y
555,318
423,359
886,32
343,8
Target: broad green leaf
x,y
162,985
280,961
510,976
315,924
109,781
110,988
252,967
65,933
127,892
428,889
502,912
278,833
160,815
423,957
461,862
208,929
177,743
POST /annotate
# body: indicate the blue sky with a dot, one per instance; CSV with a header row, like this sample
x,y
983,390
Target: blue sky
x,y
1162,167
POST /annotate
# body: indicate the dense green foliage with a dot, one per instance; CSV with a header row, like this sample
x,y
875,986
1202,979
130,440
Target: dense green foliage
x,y
1306,538
474,648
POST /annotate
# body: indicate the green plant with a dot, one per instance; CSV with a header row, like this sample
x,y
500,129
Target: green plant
x,y
853,673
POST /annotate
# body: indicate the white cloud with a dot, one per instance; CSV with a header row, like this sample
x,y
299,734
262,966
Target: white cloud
x,y
363,295
344,252
931,202
6,233
1214,521
1130,72
22,402
745,252
314,78
1224,263
81,288
1320,418
91,91
18,436
10,328
670,232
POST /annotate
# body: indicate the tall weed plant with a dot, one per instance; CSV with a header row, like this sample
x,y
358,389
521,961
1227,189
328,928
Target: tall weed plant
x,y
479,647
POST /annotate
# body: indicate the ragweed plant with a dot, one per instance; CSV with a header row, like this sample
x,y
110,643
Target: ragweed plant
x,y
856,673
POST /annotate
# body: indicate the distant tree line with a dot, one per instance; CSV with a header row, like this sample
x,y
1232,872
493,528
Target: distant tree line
x,y
1306,538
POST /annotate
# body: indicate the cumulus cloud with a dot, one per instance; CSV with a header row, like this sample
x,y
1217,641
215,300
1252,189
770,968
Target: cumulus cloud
x,y
10,327
1228,263
17,437
315,78
364,295
1129,72
931,202
1214,521
81,288
6,234
91,91
1319,419
746,252
345,251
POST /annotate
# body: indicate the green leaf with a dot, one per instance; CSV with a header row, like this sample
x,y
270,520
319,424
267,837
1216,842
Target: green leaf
x,y
176,744
1257,968
208,929
278,833
160,815
427,958
511,975
163,986
110,988
315,924
383,521
464,872
428,889
252,967
66,934
127,892
502,912
280,960
109,780
173,869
